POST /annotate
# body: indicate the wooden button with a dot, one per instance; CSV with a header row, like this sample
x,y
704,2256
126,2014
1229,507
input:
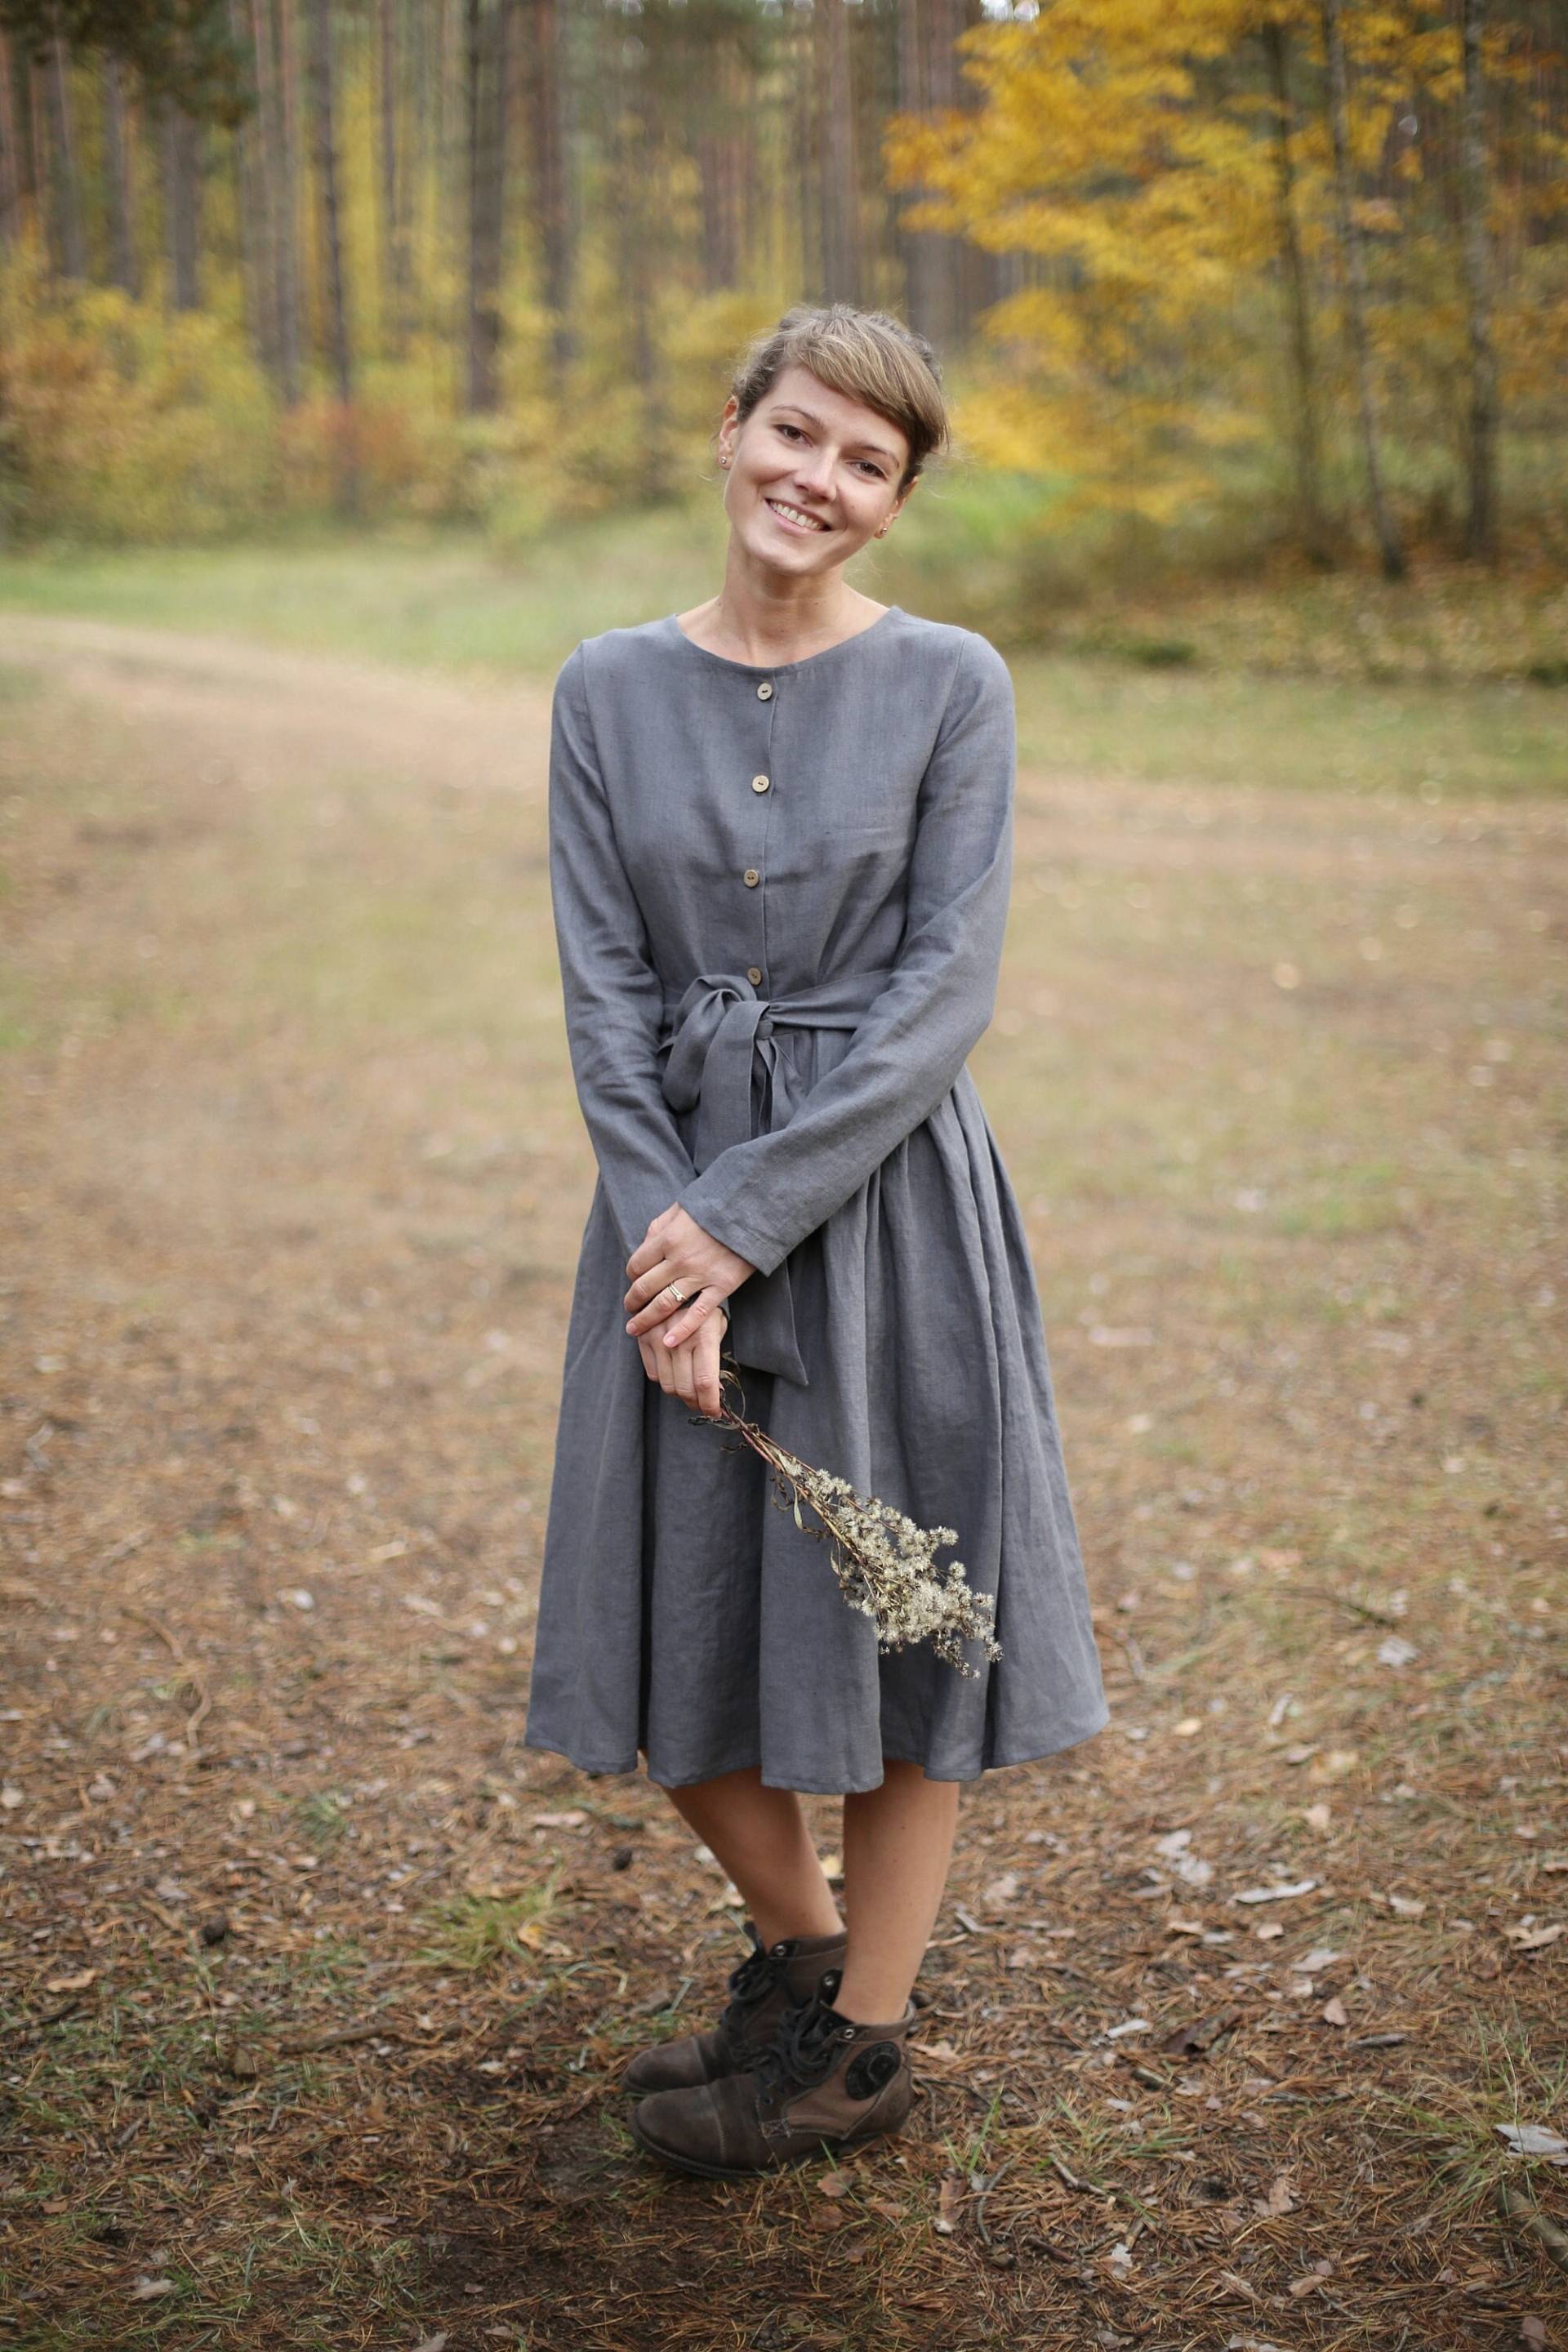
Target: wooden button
x,y
753,973
751,877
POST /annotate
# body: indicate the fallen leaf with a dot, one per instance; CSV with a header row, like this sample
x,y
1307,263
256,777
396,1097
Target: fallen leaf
x,y
834,2184
948,2196
1281,2198
1275,1893
1534,1939
1189,1727
887,2209
71,1984
568,1820
1238,2285
1002,1890
145,2289
1332,2012
1408,1906
1532,2139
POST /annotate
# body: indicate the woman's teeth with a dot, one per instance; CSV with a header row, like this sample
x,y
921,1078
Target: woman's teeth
x,y
794,515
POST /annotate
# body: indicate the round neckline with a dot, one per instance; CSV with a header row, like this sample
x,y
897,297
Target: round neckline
x,y
780,669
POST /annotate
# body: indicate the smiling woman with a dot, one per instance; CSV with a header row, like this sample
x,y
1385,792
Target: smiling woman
x,y
781,854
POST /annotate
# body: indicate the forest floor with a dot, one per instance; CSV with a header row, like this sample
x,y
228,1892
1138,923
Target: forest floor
x,y
1243,2021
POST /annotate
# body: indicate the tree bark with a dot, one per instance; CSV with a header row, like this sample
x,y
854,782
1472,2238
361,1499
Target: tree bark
x,y
182,143
1354,259
275,124
545,84
252,224
839,179
1475,190
485,44
123,271
68,247
1310,521
15,177
335,319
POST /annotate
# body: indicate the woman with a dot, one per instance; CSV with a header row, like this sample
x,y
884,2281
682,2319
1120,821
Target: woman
x,y
781,845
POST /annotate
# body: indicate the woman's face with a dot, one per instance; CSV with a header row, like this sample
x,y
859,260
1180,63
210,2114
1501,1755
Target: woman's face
x,y
813,475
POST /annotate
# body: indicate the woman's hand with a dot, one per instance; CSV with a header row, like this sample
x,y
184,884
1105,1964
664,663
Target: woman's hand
x,y
691,1370
676,1249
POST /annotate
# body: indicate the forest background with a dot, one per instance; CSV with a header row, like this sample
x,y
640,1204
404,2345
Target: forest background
x,y
1227,289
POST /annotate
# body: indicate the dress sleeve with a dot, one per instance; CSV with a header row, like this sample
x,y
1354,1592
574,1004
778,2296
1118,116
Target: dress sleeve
x,y
763,1196
614,999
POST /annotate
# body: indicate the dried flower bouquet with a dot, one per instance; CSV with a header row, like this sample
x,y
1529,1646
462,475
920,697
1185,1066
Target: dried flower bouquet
x,y
885,1563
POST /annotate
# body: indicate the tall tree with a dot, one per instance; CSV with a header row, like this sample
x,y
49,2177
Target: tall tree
x,y
1310,518
1353,258
840,262
394,178
1475,195
181,150
68,247
485,51
123,270
334,305
546,99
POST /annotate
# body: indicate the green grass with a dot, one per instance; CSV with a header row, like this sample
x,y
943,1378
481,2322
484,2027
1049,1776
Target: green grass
x,y
1349,683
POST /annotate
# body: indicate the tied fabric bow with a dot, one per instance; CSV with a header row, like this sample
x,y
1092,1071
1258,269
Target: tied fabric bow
x,y
722,1034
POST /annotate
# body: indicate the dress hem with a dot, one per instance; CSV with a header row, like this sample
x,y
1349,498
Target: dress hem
x,y
805,1788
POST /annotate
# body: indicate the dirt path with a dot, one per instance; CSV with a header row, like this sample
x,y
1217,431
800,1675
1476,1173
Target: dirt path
x,y
316,1981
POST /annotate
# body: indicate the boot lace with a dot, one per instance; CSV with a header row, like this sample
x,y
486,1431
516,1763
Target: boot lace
x,y
751,1982
802,2051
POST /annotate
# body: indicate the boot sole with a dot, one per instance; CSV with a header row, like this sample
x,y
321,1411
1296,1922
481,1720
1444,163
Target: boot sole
x,y
749,2171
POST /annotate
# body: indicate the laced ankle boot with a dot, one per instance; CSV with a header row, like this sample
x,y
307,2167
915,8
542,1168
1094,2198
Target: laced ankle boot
x,y
763,1988
825,2083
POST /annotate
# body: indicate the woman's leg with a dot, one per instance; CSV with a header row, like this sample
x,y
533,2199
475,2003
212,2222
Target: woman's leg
x,y
898,1844
761,1837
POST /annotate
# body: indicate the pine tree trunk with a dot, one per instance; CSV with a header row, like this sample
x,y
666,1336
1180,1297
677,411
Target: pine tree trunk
x,y
123,271
13,179
181,155
68,247
545,83
484,31
335,306
1474,189
1354,262
252,222
841,258
394,176
1311,520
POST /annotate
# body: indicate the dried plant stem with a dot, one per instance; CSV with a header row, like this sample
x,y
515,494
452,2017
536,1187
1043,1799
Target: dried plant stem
x,y
884,1563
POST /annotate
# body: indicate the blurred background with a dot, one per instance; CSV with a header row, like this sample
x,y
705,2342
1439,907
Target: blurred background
x,y
1227,294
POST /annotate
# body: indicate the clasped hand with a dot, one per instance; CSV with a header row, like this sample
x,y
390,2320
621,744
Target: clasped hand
x,y
679,1345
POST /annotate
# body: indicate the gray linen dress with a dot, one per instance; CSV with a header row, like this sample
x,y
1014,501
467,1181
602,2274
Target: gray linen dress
x,y
780,893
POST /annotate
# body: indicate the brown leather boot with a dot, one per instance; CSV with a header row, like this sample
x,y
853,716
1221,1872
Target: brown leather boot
x,y
824,2083
767,1982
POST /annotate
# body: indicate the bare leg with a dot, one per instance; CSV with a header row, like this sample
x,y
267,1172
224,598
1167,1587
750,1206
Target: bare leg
x,y
761,1837
898,1844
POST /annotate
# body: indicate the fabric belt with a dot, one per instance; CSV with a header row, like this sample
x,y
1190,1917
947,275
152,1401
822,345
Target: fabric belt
x,y
720,1034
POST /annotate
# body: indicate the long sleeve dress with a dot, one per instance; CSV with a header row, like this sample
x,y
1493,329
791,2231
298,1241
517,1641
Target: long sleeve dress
x,y
780,894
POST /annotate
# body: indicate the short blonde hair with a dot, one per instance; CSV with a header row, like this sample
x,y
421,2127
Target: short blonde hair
x,y
867,355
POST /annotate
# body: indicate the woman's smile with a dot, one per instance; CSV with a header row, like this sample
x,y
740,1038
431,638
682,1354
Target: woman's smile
x,y
794,518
